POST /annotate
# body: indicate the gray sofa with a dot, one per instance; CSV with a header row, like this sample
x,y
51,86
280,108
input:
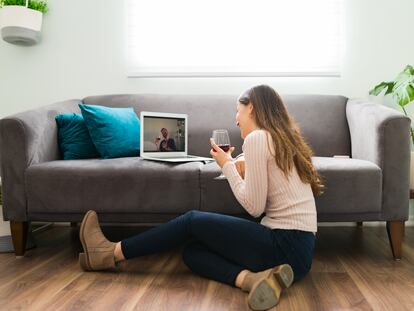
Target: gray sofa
x,y
372,185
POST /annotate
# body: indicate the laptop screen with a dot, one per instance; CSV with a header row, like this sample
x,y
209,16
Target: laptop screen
x,y
164,134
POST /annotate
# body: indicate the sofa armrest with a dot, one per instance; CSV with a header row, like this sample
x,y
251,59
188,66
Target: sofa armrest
x,y
27,138
382,135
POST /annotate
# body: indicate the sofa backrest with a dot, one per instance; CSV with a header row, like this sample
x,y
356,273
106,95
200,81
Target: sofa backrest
x,y
321,118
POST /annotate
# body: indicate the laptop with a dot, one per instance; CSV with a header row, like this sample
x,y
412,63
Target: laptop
x,y
164,137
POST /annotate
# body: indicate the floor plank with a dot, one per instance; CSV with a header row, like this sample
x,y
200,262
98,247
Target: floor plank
x,y
352,269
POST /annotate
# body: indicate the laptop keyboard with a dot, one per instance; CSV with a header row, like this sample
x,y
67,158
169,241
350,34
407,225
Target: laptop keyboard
x,y
180,157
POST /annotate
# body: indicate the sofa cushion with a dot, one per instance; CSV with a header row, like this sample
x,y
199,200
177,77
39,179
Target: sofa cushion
x,y
73,137
114,131
120,185
352,186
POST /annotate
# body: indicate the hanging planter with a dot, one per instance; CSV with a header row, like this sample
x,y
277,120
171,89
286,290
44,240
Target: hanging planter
x,y
21,21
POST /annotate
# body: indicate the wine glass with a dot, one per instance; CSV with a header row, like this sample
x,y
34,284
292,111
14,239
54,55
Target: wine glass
x,y
158,142
222,139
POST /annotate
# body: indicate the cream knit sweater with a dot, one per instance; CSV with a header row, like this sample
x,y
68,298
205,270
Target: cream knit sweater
x,y
288,203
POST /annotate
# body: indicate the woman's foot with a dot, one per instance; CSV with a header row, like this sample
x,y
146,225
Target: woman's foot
x,y
98,251
265,287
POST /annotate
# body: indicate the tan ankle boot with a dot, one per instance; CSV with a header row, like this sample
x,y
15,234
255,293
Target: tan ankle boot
x,y
98,251
265,287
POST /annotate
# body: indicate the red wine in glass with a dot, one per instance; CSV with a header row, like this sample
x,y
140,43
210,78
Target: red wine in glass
x,y
222,139
225,147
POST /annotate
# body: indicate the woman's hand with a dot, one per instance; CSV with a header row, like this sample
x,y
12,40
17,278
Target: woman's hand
x,y
219,154
240,165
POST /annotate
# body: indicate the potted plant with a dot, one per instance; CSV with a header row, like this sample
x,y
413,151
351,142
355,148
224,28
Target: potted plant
x,y
402,92
21,21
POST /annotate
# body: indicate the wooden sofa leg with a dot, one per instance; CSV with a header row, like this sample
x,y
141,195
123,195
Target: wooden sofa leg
x,y
395,230
19,230
403,229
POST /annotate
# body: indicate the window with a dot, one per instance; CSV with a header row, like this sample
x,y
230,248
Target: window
x,y
234,38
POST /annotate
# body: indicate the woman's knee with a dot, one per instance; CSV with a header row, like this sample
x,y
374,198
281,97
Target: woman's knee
x,y
195,212
196,215
192,213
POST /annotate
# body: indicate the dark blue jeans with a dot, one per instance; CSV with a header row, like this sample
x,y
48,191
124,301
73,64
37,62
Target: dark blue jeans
x,y
219,246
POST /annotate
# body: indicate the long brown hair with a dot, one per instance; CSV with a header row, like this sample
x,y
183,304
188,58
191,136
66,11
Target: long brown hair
x,y
291,149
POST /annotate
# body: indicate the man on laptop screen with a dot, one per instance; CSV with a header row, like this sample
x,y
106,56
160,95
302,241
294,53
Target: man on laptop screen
x,y
164,137
166,144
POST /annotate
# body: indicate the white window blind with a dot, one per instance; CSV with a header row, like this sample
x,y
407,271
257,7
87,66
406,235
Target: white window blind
x,y
234,37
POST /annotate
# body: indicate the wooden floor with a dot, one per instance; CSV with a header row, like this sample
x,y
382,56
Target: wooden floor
x,y
352,269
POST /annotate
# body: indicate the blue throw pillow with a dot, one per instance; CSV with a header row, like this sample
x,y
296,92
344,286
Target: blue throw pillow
x,y
114,131
73,137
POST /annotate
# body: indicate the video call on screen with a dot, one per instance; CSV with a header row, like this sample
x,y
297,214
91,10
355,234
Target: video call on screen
x,y
163,134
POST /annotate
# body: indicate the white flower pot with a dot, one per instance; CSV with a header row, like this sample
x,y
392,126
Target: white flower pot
x,y
20,25
412,171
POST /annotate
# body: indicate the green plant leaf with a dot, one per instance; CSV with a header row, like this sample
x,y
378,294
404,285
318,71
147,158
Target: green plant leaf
x,y
403,99
410,91
401,89
409,69
378,88
390,88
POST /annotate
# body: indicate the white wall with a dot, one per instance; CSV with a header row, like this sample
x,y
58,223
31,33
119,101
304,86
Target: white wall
x,y
83,49
82,53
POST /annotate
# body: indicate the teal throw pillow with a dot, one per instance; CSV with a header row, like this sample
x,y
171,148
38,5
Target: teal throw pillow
x,y
114,131
73,137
